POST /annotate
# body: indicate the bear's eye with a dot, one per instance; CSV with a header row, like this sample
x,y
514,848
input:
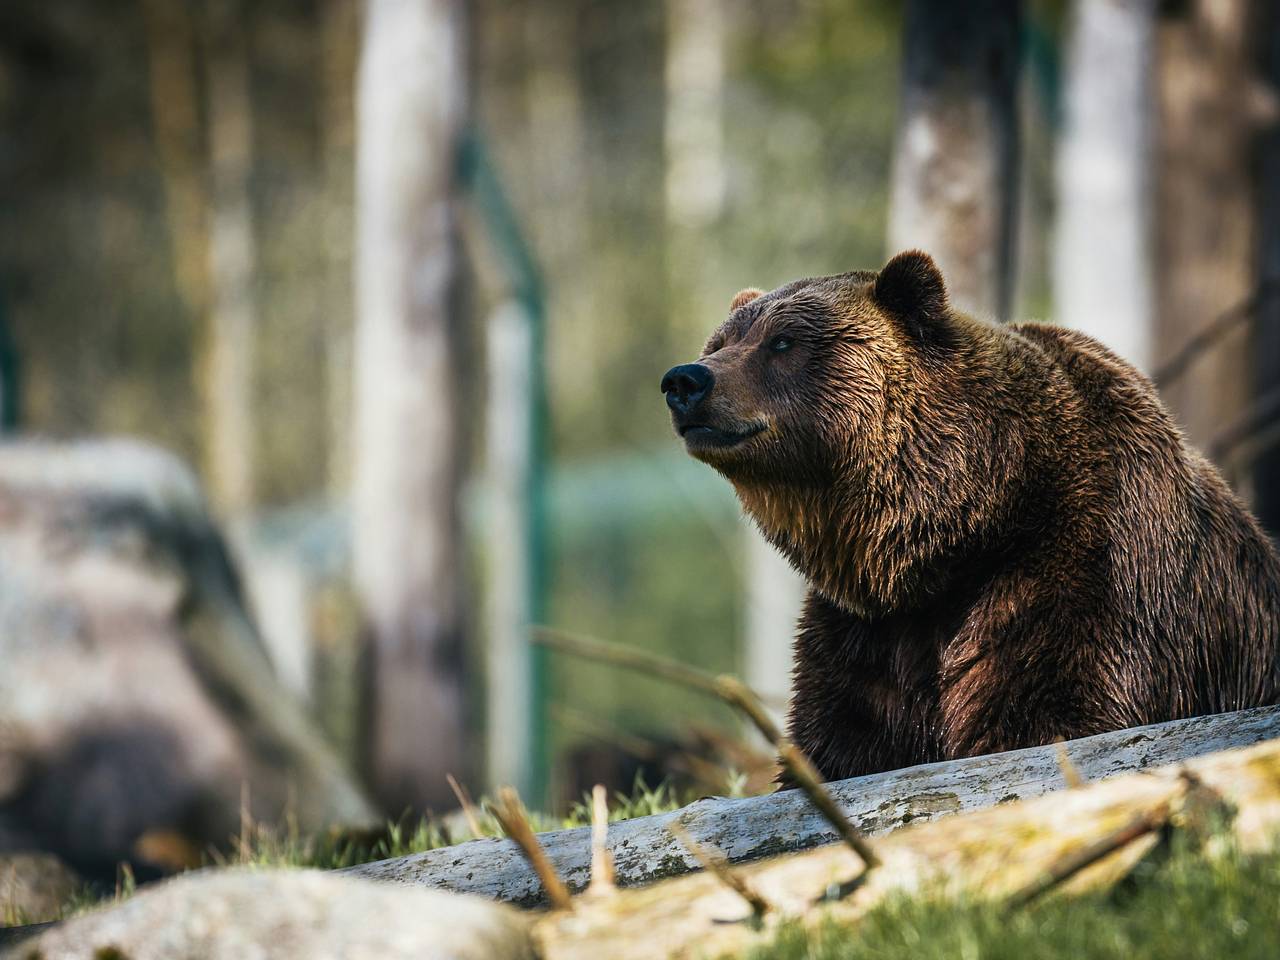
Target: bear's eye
x,y
781,343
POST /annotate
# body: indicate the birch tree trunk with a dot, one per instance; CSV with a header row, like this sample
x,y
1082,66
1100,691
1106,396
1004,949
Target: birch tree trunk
x,y
955,162
412,100
1206,213
693,129
1103,270
229,353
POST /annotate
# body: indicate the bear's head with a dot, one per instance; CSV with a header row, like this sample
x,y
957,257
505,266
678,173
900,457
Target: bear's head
x,y
795,386
806,396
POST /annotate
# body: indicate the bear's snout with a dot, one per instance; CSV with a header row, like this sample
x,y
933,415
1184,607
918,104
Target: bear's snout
x,y
686,386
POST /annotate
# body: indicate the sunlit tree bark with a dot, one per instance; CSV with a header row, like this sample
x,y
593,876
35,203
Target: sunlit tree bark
x,y
412,104
339,38
1103,270
229,342
955,162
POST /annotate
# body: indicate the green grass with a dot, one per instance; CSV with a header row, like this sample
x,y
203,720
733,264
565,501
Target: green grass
x,y
262,845
1202,901
267,846
1190,907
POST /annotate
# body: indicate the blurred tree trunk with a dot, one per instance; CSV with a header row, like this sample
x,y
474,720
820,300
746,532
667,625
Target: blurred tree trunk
x,y
411,108
1103,269
229,343
1266,333
555,144
1207,227
694,125
339,39
175,119
955,162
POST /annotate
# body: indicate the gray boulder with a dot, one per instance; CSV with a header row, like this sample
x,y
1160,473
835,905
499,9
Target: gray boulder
x,y
35,887
138,707
288,915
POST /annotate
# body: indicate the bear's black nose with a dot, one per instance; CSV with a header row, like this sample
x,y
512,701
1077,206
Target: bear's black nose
x,y
686,385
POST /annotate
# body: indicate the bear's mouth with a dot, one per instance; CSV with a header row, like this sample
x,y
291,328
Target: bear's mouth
x,y
703,435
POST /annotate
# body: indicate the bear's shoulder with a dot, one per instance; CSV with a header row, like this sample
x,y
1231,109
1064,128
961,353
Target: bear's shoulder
x,y
1086,361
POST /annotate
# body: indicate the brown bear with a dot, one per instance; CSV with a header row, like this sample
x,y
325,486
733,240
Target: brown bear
x,y
1007,539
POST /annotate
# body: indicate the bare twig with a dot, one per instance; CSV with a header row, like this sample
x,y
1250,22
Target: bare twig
x,y
1072,863
631,658
737,694
1069,771
628,658
1177,365
1259,415
601,860
509,812
808,779
469,812
716,864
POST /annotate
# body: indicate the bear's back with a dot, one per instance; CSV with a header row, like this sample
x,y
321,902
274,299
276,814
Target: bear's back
x,y
1199,579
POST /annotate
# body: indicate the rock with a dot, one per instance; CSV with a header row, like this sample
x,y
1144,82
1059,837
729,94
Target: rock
x,y
34,887
138,708
288,915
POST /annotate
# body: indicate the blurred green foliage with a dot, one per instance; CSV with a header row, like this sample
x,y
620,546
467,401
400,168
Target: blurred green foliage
x,y
571,98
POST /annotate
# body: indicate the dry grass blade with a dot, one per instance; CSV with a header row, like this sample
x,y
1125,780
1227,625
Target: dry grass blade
x,y
468,808
509,812
1069,771
601,860
719,866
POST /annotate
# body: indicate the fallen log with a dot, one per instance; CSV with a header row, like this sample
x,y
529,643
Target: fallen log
x,y
1080,839
749,829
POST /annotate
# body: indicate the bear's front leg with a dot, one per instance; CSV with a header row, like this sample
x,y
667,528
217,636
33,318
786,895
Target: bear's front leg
x,y
1027,669
859,704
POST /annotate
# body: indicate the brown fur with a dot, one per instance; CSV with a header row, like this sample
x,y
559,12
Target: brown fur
x,y
1006,537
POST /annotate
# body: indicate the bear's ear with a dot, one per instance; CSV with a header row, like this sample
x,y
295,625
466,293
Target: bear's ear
x,y
743,297
911,288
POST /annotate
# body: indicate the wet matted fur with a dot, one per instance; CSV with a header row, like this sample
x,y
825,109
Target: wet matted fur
x,y
1007,539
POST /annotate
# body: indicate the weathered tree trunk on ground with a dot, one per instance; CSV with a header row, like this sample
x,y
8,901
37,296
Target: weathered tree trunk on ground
x,y
1103,259
229,344
742,830
412,105
955,162
1207,228
989,855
